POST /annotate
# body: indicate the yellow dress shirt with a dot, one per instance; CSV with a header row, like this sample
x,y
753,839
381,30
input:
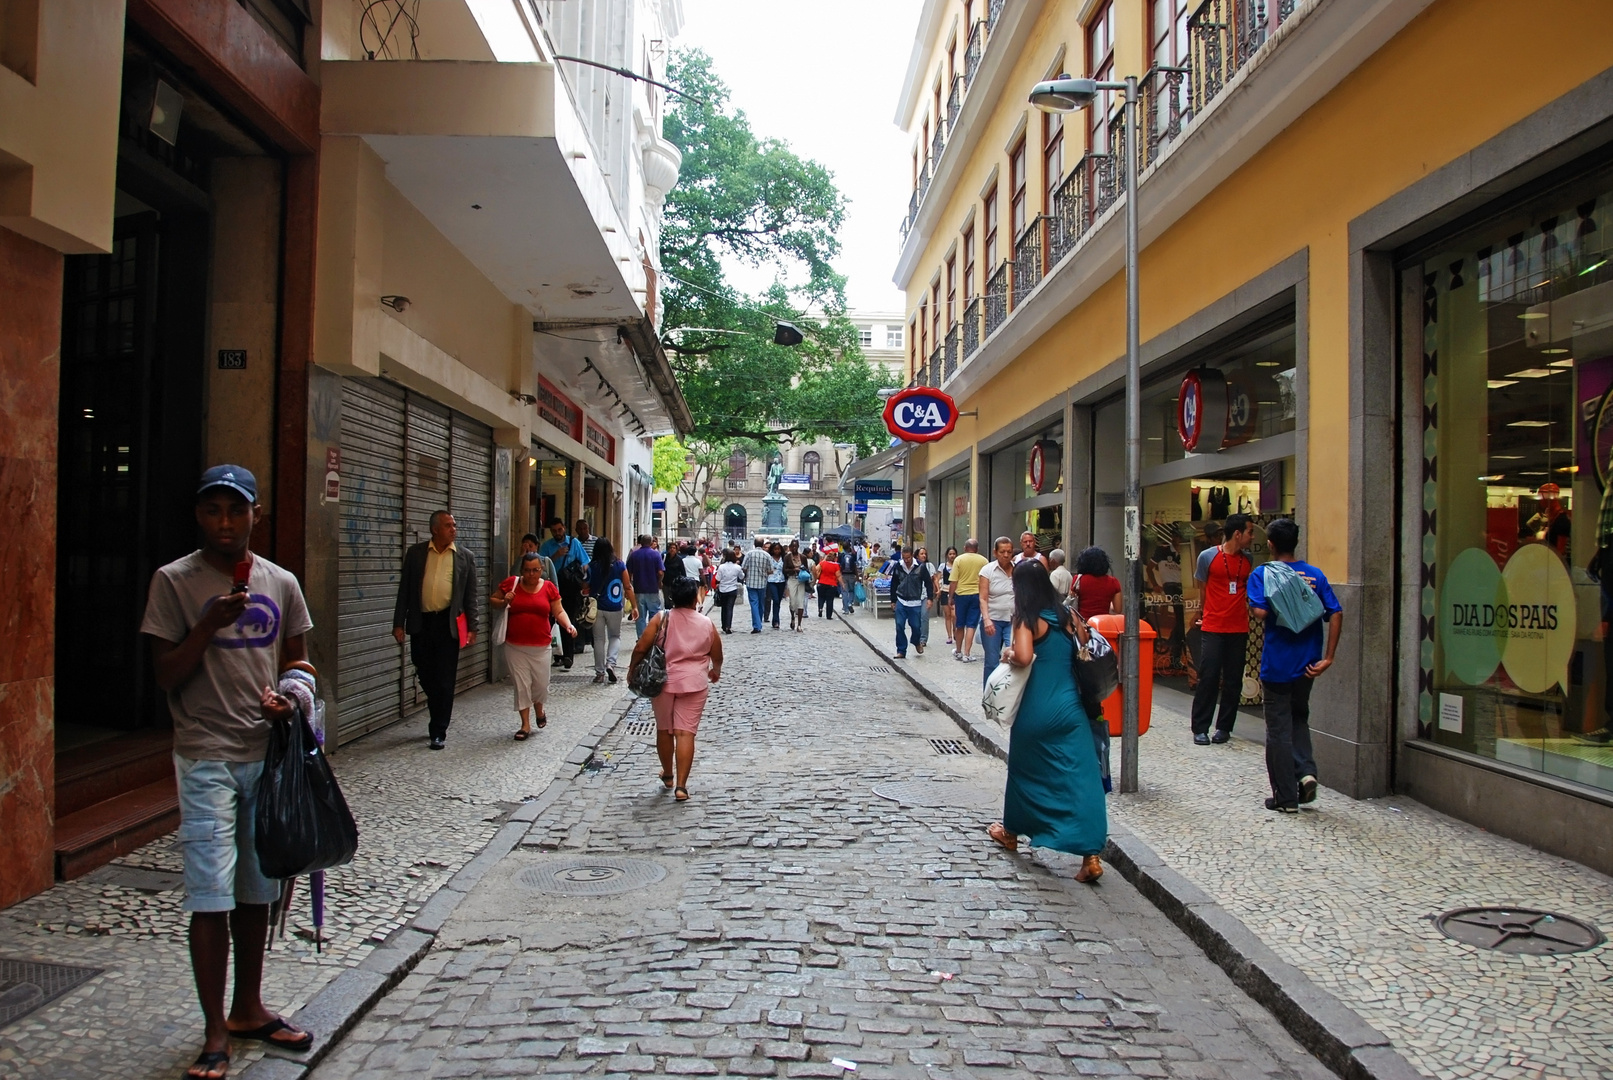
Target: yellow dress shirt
x,y
437,588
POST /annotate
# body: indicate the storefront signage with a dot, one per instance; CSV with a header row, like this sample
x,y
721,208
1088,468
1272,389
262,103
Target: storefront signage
x,y
557,409
599,441
920,414
791,481
1201,411
1043,465
1520,618
865,491
332,492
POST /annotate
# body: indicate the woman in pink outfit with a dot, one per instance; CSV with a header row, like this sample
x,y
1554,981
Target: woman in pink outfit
x,y
693,661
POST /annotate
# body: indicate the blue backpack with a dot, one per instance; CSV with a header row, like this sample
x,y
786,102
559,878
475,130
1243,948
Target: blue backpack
x,y
1291,597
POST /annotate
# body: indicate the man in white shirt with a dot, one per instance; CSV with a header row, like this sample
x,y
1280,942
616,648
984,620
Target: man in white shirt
x,y
996,602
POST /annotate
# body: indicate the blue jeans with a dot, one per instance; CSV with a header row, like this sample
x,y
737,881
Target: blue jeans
x,y
648,605
775,602
758,597
848,593
994,638
908,617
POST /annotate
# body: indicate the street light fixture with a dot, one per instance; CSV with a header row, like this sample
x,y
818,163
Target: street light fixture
x,y
1065,94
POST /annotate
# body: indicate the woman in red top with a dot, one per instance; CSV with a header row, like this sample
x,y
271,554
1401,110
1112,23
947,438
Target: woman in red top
x,y
828,583
1097,591
534,606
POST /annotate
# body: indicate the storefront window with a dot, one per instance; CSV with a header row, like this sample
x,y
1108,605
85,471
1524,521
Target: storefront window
x,y
1513,331
1260,401
1036,477
953,515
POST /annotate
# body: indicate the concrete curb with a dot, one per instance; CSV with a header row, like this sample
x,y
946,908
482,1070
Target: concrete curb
x,y
1318,1020
344,1001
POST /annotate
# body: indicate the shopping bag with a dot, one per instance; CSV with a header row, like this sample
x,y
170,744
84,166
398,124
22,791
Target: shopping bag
x,y
1005,687
302,822
1291,597
648,677
501,624
861,593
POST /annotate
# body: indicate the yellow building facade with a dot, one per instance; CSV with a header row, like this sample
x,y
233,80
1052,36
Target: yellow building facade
x,y
1355,227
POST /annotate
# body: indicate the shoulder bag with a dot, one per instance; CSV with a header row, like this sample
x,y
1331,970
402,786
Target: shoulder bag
x,y
648,677
1005,689
1097,669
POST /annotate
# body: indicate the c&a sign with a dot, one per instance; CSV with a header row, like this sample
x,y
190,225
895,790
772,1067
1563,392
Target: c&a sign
x,y
921,414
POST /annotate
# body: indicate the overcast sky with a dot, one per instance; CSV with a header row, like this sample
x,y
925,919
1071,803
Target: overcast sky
x,y
823,76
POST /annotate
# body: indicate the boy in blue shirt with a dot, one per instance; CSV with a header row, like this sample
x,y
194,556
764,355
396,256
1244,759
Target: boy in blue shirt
x,y
1289,664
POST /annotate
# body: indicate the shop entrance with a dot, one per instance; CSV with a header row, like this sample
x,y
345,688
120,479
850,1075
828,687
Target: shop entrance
x,y
552,477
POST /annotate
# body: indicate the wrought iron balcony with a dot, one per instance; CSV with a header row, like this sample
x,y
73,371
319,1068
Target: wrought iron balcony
x,y
973,52
954,104
950,352
1222,37
924,184
921,377
973,308
937,144
1072,211
933,368
997,297
1165,107
1028,265
993,11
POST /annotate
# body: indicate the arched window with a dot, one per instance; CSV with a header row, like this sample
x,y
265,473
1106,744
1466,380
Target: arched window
x,y
811,522
813,465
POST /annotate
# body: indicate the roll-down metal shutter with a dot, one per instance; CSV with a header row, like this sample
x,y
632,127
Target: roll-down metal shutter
x,y
370,552
470,497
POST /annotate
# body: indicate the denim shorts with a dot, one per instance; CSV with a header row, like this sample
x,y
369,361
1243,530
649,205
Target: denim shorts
x,y
966,614
217,800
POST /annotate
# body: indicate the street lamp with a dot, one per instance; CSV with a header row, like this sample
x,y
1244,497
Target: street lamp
x,y
1065,94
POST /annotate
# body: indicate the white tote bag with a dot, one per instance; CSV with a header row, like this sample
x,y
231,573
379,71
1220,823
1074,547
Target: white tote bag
x,y
1003,692
501,624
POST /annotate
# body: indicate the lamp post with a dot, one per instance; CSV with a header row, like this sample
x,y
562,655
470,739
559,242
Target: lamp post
x,y
1065,94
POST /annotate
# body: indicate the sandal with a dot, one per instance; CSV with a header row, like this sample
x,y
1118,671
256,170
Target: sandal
x,y
521,736
681,794
996,831
267,1033
214,1065
666,779
541,722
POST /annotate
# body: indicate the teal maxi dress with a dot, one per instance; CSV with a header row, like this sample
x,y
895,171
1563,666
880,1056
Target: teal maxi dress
x,y
1055,788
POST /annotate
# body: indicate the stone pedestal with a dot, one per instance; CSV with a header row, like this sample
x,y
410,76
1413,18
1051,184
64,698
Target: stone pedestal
x,y
775,516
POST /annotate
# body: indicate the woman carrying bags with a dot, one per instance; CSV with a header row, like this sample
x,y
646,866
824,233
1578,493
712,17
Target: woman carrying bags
x,y
534,607
1054,793
693,651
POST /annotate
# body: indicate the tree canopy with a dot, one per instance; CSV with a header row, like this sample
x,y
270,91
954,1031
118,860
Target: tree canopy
x,y
752,200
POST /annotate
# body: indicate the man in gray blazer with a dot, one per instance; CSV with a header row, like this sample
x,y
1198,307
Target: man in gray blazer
x,y
437,587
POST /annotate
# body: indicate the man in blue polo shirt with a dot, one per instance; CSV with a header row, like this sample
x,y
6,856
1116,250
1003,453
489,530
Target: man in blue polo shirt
x,y
647,569
1290,663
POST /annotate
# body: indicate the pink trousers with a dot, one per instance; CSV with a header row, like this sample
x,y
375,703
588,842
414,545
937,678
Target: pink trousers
x,y
678,712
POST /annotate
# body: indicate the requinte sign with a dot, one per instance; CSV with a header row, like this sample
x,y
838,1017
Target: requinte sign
x,y
921,414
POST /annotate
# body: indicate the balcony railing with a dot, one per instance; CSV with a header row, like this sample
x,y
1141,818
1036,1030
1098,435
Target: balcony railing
x,y
924,182
921,377
993,11
954,104
973,52
997,297
1163,101
972,311
1222,37
937,362
937,144
950,353
1028,267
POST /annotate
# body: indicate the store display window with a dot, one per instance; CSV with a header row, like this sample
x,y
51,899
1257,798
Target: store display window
x,y
1257,381
1511,328
952,517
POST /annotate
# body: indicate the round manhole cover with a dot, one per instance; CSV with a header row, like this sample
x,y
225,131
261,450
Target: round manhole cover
x,y
938,793
591,877
1519,930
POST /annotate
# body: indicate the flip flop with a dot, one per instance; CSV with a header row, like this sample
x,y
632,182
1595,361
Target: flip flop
x,y
681,794
541,722
209,1061
521,736
266,1034
666,778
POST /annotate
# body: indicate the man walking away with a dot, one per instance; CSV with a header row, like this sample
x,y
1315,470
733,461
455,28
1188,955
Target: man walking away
x,y
1289,665
1223,576
912,589
757,564
223,622
437,586
571,576
965,590
646,568
996,603
1058,575
848,578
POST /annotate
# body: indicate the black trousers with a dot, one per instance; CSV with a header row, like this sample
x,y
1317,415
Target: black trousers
x,y
826,596
725,600
571,600
435,652
1288,737
1220,668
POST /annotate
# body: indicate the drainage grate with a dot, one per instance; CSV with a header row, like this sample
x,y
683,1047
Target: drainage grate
x,y
591,877
950,747
641,727
25,985
1519,930
880,669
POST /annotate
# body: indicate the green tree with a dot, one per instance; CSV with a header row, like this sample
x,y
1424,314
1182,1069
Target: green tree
x,y
753,200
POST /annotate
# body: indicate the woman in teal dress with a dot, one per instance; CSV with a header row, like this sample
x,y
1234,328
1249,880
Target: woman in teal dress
x,y
1055,787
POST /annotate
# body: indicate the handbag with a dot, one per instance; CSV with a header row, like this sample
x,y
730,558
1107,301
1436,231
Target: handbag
x,y
590,611
302,822
648,677
1005,688
1097,670
501,624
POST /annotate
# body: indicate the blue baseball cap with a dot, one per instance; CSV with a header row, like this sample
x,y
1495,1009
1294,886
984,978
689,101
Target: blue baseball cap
x,y
233,477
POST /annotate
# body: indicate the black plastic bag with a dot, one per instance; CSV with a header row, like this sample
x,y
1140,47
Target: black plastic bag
x,y
302,821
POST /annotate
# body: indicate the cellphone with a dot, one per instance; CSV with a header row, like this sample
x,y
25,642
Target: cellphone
x,y
243,573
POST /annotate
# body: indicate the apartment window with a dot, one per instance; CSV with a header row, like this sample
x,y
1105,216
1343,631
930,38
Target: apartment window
x,y
913,343
1016,188
893,338
938,103
813,465
1052,157
935,310
990,215
952,291
1167,31
968,262
865,337
1101,66
924,336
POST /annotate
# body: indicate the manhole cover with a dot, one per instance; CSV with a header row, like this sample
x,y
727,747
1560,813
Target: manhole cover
x,y
950,746
938,793
25,985
1519,930
591,877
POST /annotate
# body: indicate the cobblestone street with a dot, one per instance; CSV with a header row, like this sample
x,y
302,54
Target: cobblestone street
x,y
1372,876
791,921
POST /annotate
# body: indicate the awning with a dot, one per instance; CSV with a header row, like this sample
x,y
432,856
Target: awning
x,y
885,460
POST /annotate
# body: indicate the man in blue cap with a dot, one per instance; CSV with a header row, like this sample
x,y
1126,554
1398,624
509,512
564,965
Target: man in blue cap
x,y
222,622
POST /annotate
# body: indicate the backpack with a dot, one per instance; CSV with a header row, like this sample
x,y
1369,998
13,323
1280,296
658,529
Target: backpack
x,y
848,562
1291,598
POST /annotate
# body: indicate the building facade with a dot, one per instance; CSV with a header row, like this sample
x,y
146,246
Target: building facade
x,y
1380,318
391,266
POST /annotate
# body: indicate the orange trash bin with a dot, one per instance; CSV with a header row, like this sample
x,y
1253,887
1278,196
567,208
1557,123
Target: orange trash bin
x,y
1111,627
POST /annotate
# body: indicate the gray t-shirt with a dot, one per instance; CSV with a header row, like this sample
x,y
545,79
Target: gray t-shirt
x,y
217,715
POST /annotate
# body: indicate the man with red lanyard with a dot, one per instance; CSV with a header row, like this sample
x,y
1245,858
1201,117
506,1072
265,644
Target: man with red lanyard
x,y
1223,577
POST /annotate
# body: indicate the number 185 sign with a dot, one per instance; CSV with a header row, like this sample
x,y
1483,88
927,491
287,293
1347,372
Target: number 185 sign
x,y
921,414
